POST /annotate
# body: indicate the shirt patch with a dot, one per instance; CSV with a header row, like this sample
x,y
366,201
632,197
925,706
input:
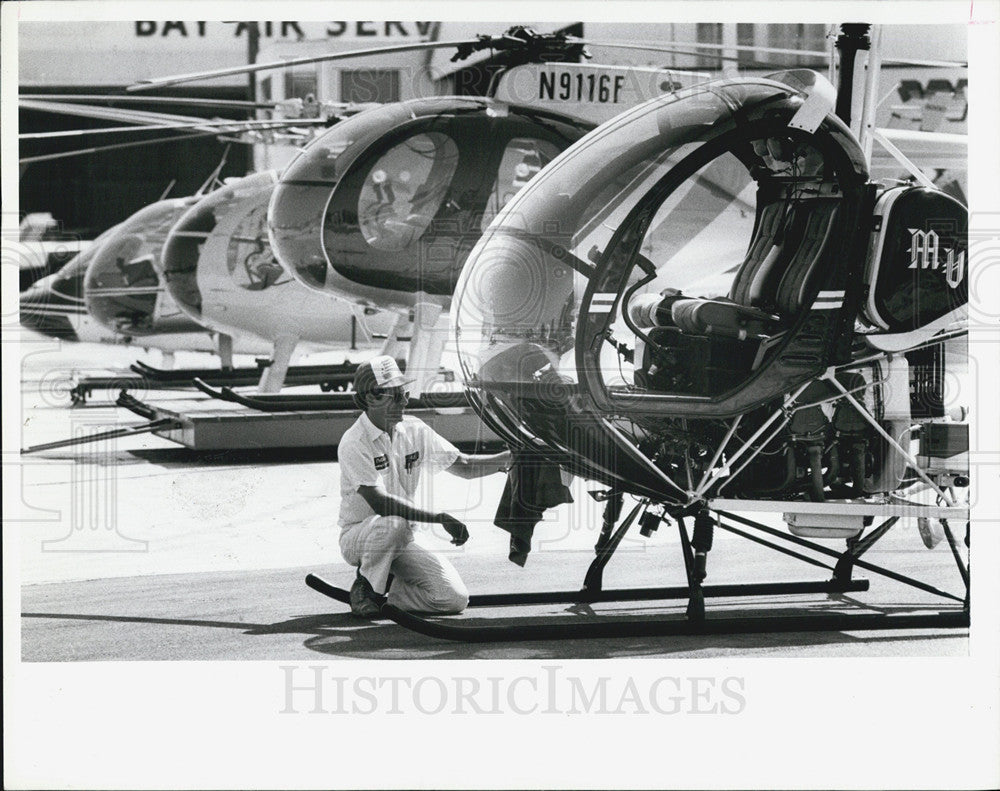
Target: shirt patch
x,y
411,459
381,462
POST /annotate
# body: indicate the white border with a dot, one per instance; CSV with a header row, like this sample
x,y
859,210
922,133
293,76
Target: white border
x,y
915,723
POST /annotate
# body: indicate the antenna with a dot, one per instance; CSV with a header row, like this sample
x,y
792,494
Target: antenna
x,y
214,176
166,192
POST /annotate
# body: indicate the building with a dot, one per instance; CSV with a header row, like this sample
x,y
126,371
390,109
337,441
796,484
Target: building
x,y
89,193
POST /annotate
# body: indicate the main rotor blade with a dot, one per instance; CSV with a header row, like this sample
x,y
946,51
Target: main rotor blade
x,y
100,97
108,113
136,144
222,126
161,82
936,64
673,50
671,47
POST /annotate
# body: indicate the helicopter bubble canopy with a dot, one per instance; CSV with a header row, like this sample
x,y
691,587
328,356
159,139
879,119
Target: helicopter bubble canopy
x,y
248,257
122,287
47,304
564,307
389,202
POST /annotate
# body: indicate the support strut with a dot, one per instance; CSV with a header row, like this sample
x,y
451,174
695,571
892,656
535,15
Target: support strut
x,y
856,547
612,510
831,553
595,574
701,544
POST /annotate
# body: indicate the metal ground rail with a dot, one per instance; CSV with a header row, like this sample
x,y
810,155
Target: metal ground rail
x,y
145,377
296,402
160,424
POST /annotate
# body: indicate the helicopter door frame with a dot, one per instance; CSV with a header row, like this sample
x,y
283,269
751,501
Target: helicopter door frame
x,y
609,278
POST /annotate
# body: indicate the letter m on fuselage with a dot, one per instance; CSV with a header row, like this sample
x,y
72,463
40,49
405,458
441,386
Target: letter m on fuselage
x,y
923,249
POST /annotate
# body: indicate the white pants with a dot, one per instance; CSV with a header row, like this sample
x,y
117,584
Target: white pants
x,y
422,581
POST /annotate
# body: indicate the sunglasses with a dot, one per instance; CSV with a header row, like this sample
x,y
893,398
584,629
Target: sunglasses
x,y
395,393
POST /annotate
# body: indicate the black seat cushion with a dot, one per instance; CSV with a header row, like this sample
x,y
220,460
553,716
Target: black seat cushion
x,y
799,279
721,317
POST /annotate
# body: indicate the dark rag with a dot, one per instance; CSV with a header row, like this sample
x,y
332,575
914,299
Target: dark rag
x,y
533,484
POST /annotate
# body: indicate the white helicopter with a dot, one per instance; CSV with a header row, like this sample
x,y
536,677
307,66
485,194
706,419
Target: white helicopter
x,y
573,267
666,434
56,306
219,268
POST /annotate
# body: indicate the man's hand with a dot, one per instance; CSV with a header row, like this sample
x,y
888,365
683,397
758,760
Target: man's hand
x,y
457,530
476,466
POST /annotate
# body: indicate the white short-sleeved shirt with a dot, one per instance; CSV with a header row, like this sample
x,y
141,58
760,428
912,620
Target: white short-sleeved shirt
x,y
368,457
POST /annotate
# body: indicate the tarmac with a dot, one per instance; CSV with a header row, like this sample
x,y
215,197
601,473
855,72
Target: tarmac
x,y
139,549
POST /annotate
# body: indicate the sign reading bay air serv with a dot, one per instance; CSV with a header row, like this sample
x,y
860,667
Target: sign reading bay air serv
x,y
594,93
94,54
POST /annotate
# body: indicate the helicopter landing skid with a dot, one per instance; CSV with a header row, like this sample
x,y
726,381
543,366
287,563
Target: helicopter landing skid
x,y
584,596
617,627
695,621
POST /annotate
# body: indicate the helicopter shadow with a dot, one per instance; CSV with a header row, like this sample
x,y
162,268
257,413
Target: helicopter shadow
x,y
342,635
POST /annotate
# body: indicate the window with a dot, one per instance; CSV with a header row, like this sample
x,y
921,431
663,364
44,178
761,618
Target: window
x,y
300,84
798,36
709,33
404,190
522,159
804,37
369,85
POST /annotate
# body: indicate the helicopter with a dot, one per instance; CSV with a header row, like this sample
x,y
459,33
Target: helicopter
x,y
122,288
801,389
115,293
56,306
383,208
786,388
219,268
119,286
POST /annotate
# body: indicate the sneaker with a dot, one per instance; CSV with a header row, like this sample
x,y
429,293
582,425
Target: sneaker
x,y
365,603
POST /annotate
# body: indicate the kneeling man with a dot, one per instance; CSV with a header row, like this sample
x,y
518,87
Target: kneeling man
x,y
382,458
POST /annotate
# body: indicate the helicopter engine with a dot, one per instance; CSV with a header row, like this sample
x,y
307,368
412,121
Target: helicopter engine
x,y
827,450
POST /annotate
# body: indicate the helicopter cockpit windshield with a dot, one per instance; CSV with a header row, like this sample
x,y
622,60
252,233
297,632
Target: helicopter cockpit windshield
x,y
197,241
405,188
708,197
122,286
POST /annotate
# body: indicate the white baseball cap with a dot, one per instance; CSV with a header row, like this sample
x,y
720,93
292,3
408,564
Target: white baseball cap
x,y
380,371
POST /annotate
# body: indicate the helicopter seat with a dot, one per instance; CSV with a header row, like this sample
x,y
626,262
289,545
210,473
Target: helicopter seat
x,y
707,346
775,280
